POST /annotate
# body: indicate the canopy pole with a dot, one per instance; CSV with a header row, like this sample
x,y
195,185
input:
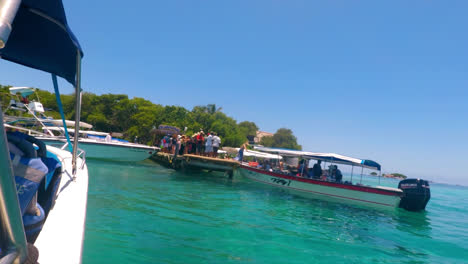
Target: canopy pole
x,y
10,216
8,10
303,165
352,168
77,110
380,174
362,169
60,106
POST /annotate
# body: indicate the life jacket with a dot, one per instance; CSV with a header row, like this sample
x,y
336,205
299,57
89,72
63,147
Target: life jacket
x,y
29,170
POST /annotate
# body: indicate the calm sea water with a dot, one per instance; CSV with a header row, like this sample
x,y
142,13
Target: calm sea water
x,y
146,213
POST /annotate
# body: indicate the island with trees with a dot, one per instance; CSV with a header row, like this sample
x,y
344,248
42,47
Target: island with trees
x,y
395,176
137,117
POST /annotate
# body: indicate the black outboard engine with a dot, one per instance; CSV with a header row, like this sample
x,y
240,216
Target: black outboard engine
x,y
416,194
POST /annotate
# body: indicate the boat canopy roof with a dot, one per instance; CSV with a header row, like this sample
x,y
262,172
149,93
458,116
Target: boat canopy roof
x,y
258,154
41,39
328,157
24,91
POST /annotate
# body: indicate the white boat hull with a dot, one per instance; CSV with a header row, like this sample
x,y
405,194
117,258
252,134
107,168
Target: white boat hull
x,y
61,238
126,152
361,195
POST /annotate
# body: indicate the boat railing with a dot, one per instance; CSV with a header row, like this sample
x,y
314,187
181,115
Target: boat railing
x,y
81,153
30,132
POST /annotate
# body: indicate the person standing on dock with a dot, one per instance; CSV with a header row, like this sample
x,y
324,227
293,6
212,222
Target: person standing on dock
x,y
174,144
216,143
241,151
199,143
209,145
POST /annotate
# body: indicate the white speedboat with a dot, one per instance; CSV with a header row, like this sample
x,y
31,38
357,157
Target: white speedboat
x,y
93,142
21,101
43,189
97,147
412,194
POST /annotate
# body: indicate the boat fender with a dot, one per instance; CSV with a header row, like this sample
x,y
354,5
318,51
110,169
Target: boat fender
x,y
33,224
33,255
25,146
42,151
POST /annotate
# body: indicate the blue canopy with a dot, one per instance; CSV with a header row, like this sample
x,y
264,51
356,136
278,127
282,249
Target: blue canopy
x,y
41,39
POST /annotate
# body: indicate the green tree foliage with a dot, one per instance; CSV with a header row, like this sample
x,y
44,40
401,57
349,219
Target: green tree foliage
x,y
249,129
283,138
136,117
399,175
5,96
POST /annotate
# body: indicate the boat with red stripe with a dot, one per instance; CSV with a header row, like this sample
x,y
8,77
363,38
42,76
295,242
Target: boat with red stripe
x,y
411,194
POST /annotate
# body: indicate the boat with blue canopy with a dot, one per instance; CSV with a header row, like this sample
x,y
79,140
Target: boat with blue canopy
x,y
43,188
319,183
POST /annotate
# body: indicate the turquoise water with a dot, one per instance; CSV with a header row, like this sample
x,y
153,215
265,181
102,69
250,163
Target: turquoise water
x,y
146,213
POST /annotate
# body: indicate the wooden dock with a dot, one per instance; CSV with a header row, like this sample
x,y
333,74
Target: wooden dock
x,y
195,162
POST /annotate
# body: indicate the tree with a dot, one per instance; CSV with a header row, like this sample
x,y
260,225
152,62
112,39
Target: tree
x,y
138,116
283,138
249,129
399,175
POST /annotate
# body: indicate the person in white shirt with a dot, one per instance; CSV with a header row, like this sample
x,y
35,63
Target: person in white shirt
x,y
216,143
209,145
109,137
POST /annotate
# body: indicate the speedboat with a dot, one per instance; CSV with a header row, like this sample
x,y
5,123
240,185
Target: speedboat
x,y
21,101
93,142
43,189
97,147
411,194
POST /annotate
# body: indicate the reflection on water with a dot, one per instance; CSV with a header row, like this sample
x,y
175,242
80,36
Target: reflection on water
x,y
416,223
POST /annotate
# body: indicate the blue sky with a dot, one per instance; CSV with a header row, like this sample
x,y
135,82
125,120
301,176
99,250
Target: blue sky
x,y
380,80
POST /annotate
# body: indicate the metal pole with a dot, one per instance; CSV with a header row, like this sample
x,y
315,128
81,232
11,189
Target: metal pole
x,y
10,215
352,168
362,169
380,174
8,10
77,110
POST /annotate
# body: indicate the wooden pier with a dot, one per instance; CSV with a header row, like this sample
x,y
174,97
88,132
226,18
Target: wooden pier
x,y
194,162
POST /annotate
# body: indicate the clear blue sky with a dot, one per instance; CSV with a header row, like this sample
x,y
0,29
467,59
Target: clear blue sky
x,y
381,80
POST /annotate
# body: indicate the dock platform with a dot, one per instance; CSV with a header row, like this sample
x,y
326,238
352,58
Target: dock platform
x,y
191,162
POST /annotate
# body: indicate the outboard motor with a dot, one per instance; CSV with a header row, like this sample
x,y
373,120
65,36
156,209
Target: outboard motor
x,y
416,194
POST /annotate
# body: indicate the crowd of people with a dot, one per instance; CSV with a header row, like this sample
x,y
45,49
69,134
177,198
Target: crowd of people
x,y
208,145
198,144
